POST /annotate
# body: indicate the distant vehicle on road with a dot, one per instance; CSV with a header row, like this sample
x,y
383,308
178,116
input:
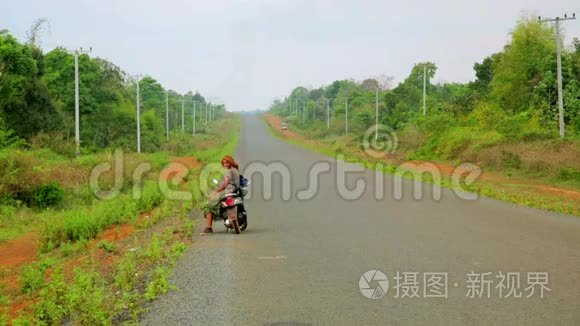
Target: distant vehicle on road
x,y
284,126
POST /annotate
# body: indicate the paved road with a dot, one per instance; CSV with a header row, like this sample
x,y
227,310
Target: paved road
x,y
299,263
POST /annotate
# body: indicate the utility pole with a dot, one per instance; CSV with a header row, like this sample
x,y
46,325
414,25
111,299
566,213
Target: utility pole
x,y
314,109
206,111
346,116
138,116
201,111
167,115
559,67
377,113
327,113
193,119
296,108
77,100
425,89
77,106
182,115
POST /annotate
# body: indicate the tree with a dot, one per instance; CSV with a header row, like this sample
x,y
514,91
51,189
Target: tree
x,y
153,95
16,64
24,100
484,71
33,33
525,65
37,95
370,85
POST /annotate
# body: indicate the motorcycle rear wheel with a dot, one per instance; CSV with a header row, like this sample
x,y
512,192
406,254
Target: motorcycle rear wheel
x,y
243,221
236,226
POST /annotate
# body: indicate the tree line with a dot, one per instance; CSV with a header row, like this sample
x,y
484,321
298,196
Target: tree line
x,y
514,94
37,100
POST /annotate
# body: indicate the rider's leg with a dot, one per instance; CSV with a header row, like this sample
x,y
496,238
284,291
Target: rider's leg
x,y
209,219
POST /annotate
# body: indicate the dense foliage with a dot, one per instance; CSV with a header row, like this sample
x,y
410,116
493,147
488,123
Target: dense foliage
x,y
514,95
37,101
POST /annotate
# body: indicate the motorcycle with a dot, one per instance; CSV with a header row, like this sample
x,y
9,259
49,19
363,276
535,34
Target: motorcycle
x,y
231,201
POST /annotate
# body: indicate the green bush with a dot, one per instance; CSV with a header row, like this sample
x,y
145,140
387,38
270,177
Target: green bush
x,y
106,246
159,285
511,160
32,278
488,116
53,305
87,299
125,277
435,124
568,174
48,195
455,142
56,142
488,139
86,223
8,139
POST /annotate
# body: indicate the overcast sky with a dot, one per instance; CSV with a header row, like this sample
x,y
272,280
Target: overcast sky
x,y
249,52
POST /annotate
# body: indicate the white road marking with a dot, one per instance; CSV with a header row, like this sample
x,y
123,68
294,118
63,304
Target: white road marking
x,y
272,257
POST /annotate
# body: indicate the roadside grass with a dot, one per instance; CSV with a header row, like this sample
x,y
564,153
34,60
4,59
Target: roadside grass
x,y
81,278
509,192
86,223
62,182
93,298
106,246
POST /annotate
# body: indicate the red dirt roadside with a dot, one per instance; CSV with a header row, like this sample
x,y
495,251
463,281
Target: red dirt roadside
x,y
18,252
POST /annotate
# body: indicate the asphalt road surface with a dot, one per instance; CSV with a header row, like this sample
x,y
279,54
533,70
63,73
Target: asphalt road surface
x,y
300,261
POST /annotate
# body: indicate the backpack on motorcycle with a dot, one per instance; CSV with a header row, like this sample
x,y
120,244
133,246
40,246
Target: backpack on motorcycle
x,y
243,181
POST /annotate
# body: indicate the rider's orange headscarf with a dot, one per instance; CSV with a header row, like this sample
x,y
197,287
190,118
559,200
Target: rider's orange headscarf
x,y
230,160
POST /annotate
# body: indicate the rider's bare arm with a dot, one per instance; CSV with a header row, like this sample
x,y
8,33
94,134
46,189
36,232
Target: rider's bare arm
x,y
222,187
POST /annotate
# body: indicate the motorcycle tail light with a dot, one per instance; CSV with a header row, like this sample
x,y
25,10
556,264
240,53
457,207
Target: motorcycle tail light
x,y
230,201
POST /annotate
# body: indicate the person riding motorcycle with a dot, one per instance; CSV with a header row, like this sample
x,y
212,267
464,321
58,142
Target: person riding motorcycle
x,y
230,184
